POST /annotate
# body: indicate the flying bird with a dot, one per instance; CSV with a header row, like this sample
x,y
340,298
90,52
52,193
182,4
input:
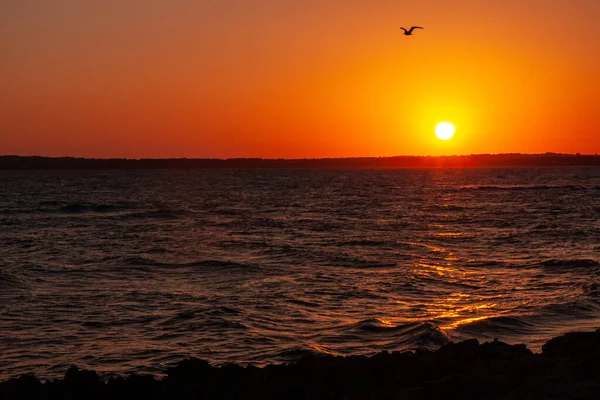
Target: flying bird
x,y
410,31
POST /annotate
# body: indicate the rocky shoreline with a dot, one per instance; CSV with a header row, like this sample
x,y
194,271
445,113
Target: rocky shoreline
x,y
567,368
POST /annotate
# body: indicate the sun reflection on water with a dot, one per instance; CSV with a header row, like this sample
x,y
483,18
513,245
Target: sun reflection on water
x,y
450,309
465,321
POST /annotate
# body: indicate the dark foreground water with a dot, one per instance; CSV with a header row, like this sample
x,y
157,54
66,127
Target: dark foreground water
x,y
132,271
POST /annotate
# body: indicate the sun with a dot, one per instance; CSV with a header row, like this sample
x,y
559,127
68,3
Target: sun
x,y
445,130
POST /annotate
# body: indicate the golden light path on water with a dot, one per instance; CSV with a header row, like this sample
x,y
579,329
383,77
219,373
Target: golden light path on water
x,y
457,308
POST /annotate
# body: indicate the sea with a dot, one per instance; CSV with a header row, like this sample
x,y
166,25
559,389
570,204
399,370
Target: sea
x,y
132,271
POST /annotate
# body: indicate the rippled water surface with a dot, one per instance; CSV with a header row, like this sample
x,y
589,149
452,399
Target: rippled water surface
x,y
132,271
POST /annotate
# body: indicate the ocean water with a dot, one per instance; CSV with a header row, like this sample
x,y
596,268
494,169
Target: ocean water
x,y
125,271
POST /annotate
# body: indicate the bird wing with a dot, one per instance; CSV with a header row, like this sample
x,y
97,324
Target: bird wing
x,y
403,29
413,28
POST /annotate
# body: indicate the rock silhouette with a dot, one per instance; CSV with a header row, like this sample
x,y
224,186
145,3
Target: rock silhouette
x,y
567,368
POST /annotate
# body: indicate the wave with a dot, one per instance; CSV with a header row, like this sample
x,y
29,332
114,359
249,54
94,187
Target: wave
x,y
95,208
124,210
363,243
8,281
304,303
356,262
570,264
51,203
410,335
592,289
189,321
375,325
497,325
222,310
298,353
522,187
426,335
137,261
161,213
83,207
10,222
158,250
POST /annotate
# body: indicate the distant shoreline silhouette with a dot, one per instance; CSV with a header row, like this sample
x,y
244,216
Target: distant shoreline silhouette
x,y
9,162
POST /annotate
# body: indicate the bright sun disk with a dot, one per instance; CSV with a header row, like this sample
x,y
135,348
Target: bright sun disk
x,y
444,130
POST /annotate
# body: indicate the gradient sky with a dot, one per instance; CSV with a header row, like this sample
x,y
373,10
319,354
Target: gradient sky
x,y
297,78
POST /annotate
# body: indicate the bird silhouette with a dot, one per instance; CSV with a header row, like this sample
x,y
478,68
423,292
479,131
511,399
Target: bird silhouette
x,y
410,31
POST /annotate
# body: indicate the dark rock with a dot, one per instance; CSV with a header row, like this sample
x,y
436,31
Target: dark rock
x,y
189,368
75,376
23,387
573,345
460,353
589,367
568,368
504,351
134,387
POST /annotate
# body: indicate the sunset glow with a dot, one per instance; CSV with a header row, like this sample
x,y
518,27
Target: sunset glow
x,y
297,79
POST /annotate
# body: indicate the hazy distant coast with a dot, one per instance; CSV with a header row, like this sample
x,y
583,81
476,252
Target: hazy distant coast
x,y
567,368
9,162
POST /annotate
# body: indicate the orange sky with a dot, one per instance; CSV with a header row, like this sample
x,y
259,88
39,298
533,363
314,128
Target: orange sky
x,y
297,78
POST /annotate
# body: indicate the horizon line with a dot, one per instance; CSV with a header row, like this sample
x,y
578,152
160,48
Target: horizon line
x,y
305,158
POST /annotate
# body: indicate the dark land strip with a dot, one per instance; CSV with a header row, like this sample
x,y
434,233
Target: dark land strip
x,y
468,161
